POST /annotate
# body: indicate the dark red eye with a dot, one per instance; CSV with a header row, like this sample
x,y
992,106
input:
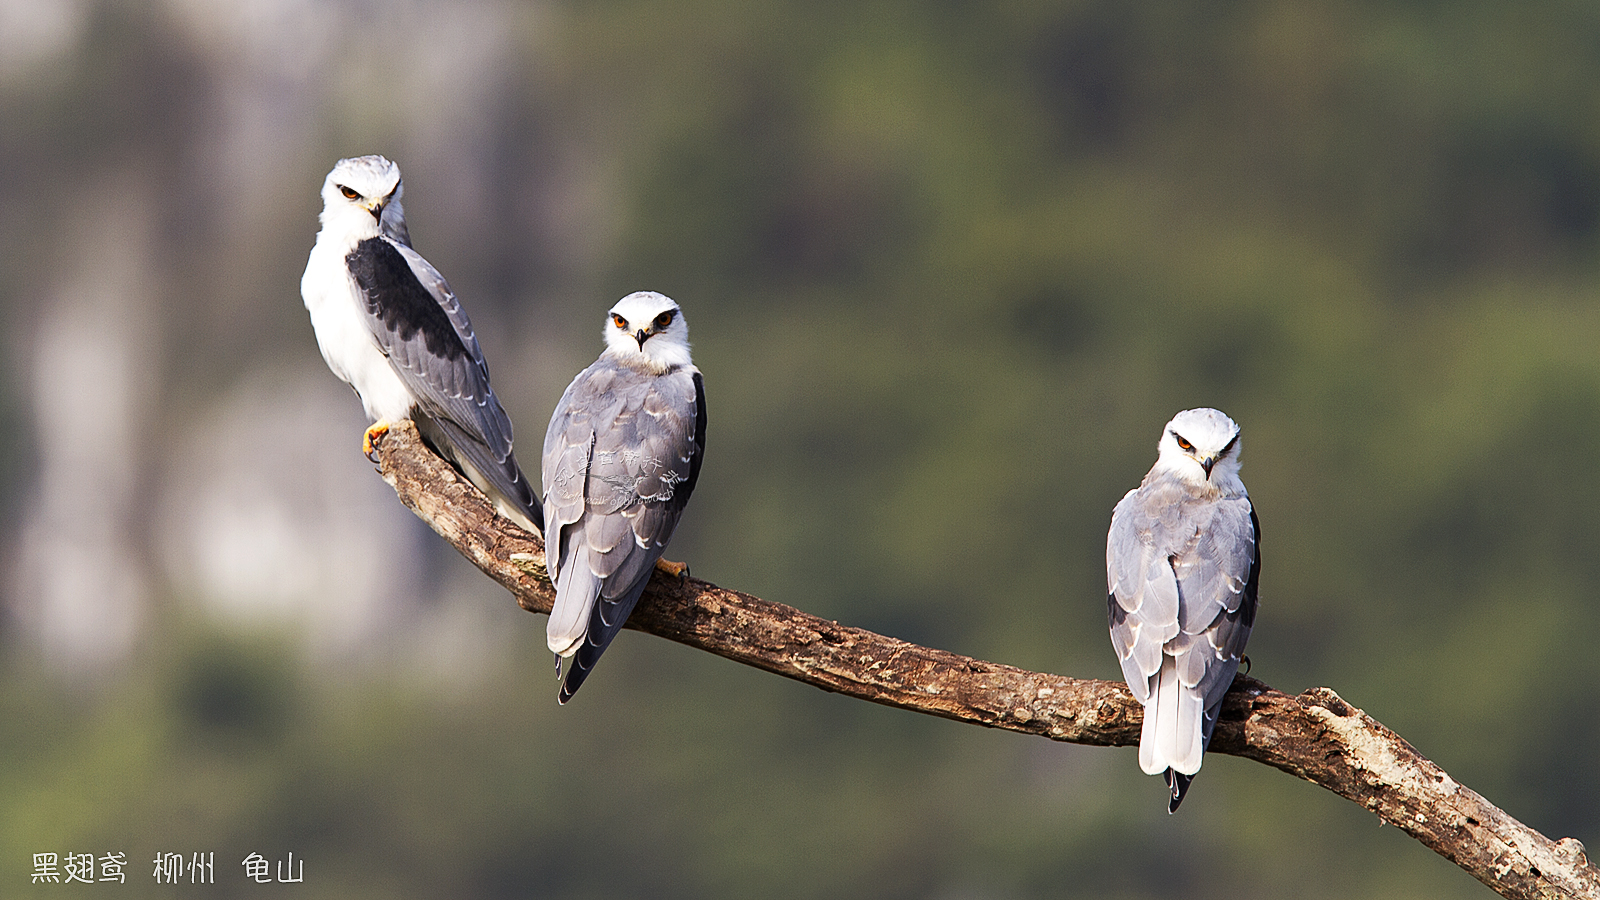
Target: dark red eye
x,y
349,193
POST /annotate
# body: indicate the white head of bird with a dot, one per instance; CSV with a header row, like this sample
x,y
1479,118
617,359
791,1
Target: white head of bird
x,y
646,330
361,197
1201,446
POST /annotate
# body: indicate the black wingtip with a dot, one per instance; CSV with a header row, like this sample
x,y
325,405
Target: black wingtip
x,y
561,695
568,688
1178,784
577,671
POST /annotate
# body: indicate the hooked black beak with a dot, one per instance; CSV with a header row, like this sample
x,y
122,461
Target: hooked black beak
x,y
377,211
641,336
1206,462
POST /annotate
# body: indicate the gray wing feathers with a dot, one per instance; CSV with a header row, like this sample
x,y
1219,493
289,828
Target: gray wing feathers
x,y
1143,594
453,388
1213,567
619,448
456,386
568,444
498,477
1214,577
1180,573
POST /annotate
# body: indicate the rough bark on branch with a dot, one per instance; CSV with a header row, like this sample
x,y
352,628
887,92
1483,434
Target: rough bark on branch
x,y
1315,736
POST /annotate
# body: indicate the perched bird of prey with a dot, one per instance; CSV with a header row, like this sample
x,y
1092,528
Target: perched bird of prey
x,y
621,457
1181,567
389,326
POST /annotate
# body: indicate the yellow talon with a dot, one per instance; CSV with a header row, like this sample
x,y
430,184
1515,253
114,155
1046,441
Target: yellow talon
x,y
378,430
673,569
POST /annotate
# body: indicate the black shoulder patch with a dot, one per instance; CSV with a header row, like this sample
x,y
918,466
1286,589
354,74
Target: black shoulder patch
x,y
395,296
1252,583
699,436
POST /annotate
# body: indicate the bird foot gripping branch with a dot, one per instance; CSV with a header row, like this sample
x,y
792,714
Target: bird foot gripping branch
x,y
672,569
373,434
389,325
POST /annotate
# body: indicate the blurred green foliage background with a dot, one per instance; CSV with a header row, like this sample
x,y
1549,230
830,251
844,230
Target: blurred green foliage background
x,y
948,268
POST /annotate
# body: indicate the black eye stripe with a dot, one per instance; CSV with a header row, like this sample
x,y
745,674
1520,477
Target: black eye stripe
x,y
1187,447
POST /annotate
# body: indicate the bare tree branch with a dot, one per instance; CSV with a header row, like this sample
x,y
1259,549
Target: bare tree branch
x,y
1315,736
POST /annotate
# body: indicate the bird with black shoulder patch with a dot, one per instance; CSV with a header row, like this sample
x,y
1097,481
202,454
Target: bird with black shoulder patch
x,y
389,325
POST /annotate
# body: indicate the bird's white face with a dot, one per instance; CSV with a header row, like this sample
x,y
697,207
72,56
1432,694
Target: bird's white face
x,y
1201,446
362,195
648,328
